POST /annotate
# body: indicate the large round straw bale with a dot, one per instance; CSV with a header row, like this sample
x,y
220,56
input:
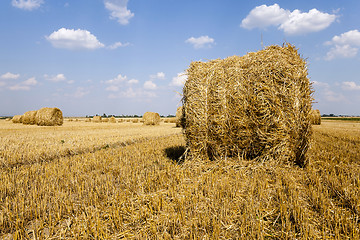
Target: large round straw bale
x,y
49,117
179,117
151,118
17,119
112,119
97,119
255,107
315,117
29,117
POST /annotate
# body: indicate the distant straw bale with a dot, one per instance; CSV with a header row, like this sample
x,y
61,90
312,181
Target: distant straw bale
x,y
112,119
180,117
151,118
315,117
49,117
29,117
105,120
121,120
88,120
17,119
97,119
255,107
135,120
7,119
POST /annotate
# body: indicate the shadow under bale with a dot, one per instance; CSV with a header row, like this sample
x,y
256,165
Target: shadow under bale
x,y
175,154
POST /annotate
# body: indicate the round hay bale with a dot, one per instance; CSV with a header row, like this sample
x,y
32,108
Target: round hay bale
x,y
88,120
135,120
112,119
151,118
180,120
17,119
120,120
105,120
255,107
315,117
49,117
97,119
29,118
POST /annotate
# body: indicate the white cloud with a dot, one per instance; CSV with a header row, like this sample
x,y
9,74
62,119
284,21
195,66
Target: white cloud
x,y
201,42
302,23
150,85
133,81
179,80
57,78
350,86
2,84
112,88
27,4
349,38
118,82
341,51
292,23
133,93
118,10
117,45
159,75
80,92
74,39
25,85
9,75
344,46
263,16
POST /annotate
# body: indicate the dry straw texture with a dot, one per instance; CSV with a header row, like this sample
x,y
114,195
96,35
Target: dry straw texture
x,y
29,118
151,118
97,119
49,117
315,117
17,119
256,106
179,117
112,120
105,120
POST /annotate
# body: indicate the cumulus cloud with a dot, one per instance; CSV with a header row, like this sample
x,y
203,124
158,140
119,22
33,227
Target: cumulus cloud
x,y
201,42
25,85
150,85
117,45
27,4
263,16
133,93
119,11
344,46
350,86
179,80
119,82
159,75
57,78
292,23
74,39
9,75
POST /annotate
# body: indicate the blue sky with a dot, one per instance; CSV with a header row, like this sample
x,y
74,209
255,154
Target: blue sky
x,y
128,56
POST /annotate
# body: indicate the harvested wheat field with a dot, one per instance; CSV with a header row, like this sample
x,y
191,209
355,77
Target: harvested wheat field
x,y
111,181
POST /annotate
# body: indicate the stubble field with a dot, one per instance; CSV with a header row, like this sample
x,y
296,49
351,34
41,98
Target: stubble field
x,y
124,180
